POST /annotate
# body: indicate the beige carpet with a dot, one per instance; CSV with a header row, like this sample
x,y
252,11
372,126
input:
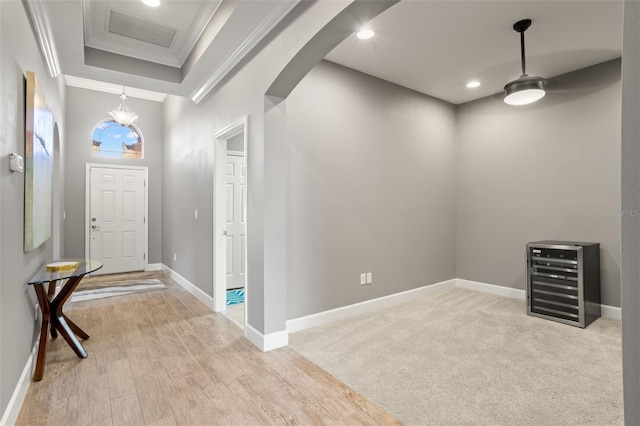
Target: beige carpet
x,y
465,358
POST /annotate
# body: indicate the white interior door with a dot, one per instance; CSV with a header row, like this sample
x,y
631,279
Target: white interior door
x,y
117,219
236,221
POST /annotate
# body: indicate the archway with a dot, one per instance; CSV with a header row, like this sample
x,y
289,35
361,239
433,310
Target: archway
x,y
267,316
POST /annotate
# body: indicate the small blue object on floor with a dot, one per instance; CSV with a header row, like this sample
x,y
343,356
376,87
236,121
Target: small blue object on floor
x,y
235,297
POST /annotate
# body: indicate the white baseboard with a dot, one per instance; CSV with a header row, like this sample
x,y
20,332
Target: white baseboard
x,y
612,312
190,287
607,311
498,290
266,342
10,415
321,318
153,267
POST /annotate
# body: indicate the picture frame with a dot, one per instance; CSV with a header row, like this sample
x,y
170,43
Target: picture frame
x,y
38,165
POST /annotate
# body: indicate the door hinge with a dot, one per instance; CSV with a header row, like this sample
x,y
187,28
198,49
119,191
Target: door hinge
x,y
144,256
145,219
145,183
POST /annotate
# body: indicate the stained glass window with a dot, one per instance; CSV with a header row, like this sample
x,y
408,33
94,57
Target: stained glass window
x,y
113,140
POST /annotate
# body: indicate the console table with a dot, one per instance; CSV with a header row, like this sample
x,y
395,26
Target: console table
x,y
51,307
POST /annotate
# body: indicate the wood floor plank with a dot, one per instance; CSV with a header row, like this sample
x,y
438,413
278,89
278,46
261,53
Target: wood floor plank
x,y
120,379
37,403
166,421
66,412
95,401
154,392
163,358
125,411
105,422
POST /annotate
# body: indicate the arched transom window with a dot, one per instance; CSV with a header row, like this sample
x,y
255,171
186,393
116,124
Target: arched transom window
x,y
113,140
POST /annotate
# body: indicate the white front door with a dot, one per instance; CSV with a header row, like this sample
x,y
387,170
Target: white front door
x,y
117,219
236,222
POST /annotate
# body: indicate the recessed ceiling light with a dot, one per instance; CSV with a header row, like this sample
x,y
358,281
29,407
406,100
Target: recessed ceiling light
x,y
365,34
151,3
473,84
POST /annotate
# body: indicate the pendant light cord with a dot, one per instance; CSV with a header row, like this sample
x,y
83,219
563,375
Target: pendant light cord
x,y
524,64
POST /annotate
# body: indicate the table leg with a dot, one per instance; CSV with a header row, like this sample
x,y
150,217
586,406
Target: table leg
x,y
51,293
64,294
67,328
77,330
53,318
43,301
72,340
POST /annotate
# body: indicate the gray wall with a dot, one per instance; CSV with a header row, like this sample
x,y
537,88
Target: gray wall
x,y
17,327
372,189
550,170
630,290
85,108
188,185
188,173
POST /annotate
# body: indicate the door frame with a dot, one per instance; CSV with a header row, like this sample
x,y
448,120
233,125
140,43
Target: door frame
x,y
219,214
87,205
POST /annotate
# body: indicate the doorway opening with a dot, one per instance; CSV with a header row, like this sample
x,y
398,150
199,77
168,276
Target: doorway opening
x,y
230,293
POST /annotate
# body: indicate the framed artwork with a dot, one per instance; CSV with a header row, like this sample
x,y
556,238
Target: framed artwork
x,y
38,166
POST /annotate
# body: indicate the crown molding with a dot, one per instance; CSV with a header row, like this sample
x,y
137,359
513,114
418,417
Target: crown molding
x,y
244,47
132,92
40,23
207,12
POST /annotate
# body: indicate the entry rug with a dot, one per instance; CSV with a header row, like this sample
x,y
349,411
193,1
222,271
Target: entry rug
x,y
235,297
116,289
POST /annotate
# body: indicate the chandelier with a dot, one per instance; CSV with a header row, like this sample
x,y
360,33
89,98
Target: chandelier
x,y
122,114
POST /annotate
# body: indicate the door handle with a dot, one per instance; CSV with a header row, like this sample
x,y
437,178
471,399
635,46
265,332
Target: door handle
x,y
95,227
224,233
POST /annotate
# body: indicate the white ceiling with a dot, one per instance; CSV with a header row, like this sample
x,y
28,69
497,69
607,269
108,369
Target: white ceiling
x,y
186,19
436,47
203,40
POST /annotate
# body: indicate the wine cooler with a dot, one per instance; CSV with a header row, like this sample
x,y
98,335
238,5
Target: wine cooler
x,y
563,281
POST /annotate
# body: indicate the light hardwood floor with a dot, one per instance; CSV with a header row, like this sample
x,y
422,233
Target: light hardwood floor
x,y
163,358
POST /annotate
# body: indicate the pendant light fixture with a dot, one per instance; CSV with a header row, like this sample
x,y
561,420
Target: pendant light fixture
x,y
122,114
526,89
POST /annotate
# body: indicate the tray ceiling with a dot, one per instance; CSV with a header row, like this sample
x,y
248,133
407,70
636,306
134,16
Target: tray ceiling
x,y
182,47
164,35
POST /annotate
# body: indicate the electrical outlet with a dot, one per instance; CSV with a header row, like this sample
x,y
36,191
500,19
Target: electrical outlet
x,y
36,308
369,277
175,257
363,279
196,214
